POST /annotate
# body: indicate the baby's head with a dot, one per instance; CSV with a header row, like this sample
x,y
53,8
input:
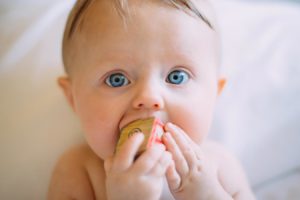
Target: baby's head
x,y
131,59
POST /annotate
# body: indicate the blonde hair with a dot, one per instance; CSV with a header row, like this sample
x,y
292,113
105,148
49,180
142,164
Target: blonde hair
x,y
121,7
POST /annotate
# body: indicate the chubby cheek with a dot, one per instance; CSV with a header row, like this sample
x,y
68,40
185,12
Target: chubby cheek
x,y
194,118
100,123
101,136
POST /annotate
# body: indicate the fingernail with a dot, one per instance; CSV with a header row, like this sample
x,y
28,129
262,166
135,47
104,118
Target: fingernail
x,y
139,135
169,125
167,134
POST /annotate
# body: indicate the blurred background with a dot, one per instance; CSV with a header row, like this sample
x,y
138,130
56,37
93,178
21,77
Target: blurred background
x,y
257,116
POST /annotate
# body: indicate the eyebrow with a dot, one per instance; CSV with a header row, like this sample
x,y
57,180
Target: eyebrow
x,y
189,5
79,13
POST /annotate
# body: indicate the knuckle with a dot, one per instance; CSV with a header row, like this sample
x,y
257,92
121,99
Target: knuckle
x,y
179,159
187,150
168,155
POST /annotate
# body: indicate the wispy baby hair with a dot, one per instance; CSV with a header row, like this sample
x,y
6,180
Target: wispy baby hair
x,y
75,20
122,8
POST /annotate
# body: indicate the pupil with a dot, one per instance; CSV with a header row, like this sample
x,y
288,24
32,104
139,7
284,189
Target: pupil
x,y
117,79
176,77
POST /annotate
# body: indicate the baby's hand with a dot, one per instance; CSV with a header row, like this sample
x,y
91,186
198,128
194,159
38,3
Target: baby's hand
x,y
127,178
193,176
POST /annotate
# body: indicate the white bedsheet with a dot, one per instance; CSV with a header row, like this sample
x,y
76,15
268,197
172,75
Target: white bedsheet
x,y
257,118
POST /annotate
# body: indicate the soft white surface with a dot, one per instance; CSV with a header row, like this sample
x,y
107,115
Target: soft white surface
x,y
36,123
259,112
258,116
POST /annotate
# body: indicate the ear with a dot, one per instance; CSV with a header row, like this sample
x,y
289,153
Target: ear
x,y
221,84
64,83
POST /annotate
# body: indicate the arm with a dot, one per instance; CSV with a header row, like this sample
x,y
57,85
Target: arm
x,y
231,175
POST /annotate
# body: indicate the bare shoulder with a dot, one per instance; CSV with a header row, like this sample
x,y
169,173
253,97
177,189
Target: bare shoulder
x,y
76,174
230,171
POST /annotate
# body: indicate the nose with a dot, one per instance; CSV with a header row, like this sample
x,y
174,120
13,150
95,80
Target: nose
x,y
148,97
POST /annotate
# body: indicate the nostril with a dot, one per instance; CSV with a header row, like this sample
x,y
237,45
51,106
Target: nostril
x,y
155,106
140,105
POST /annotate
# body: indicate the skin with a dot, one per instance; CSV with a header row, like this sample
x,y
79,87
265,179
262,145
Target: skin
x,y
156,41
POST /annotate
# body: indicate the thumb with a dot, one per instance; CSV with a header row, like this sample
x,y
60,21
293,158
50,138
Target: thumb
x,y
108,164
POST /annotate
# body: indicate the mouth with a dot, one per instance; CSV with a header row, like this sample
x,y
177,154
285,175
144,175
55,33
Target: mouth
x,y
130,119
151,127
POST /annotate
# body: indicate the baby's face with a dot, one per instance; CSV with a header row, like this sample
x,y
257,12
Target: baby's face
x,y
162,63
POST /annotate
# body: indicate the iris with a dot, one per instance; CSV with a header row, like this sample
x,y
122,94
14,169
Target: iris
x,y
117,80
177,77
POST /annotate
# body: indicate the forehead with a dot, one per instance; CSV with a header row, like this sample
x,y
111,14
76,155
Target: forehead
x,y
150,26
199,8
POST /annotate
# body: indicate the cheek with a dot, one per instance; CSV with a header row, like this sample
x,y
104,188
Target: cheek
x,y
194,117
100,121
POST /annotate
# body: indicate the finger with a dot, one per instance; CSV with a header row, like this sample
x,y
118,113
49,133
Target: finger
x,y
148,159
173,178
108,164
179,135
196,147
162,165
173,127
124,158
179,160
186,145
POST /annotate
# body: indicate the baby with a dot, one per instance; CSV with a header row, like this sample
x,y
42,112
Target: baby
x,y
131,59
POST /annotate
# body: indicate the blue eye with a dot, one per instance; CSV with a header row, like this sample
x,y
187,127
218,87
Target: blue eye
x,y
178,77
116,80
